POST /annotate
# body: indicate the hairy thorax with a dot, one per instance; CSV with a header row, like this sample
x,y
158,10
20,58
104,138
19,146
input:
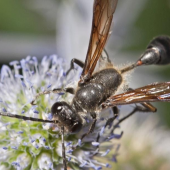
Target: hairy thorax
x,y
102,85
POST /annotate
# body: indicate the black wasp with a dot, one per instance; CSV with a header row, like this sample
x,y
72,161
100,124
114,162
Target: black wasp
x,y
96,89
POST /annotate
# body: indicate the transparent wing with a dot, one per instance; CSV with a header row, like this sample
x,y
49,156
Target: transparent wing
x,y
157,92
103,11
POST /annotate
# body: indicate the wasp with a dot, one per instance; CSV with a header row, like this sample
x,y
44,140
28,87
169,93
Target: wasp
x,y
96,89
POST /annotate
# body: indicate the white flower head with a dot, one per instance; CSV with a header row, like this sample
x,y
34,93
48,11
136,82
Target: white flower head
x,y
35,145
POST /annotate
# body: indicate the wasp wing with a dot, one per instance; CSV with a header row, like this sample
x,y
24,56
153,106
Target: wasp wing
x,y
103,11
151,93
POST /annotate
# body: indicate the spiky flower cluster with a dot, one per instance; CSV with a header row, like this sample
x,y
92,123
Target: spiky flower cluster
x,y
33,145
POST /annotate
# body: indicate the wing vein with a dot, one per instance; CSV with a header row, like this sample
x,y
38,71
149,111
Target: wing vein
x,y
103,11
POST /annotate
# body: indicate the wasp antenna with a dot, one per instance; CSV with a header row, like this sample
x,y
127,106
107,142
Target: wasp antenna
x,y
27,118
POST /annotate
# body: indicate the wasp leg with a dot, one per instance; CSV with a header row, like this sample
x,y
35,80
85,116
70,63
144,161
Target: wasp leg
x,y
146,107
63,149
105,56
149,106
110,120
77,61
104,60
92,125
57,90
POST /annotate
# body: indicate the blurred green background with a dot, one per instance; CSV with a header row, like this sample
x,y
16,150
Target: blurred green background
x,y
62,27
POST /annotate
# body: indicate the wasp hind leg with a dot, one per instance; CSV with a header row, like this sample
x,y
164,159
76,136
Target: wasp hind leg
x,y
143,107
148,107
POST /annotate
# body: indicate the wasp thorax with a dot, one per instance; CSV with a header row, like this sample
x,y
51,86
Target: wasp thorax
x,y
66,116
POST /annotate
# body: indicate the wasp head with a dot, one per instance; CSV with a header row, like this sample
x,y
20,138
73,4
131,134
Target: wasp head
x,y
67,117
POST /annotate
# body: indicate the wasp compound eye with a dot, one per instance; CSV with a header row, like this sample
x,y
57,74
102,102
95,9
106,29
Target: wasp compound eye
x,y
57,107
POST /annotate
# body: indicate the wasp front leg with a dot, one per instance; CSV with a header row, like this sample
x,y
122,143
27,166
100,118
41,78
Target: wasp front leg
x,y
63,149
56,90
